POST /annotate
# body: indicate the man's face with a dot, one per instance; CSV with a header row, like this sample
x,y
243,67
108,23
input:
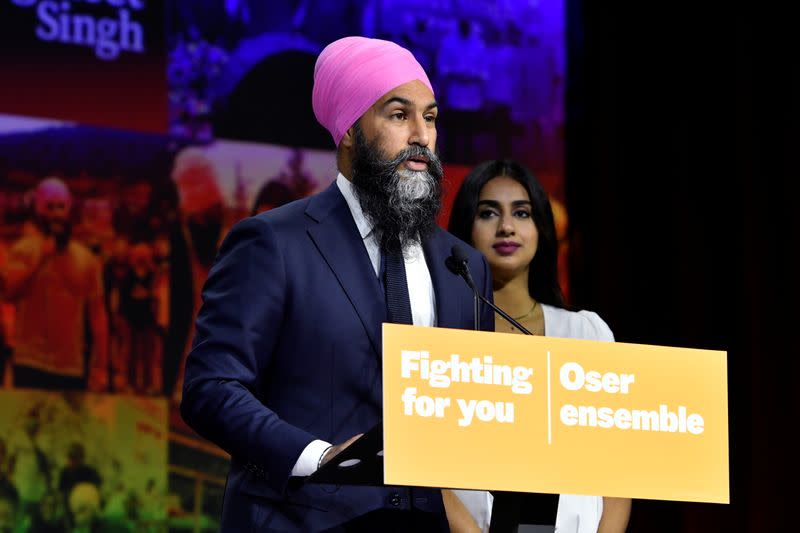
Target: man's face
x,y
52,204
55,210
397,175
54,217
403,117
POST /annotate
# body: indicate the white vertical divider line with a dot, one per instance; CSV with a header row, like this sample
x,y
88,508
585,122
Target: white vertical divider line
x,y
549,405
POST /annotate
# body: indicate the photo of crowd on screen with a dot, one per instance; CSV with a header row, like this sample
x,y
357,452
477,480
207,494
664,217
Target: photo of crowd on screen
x,y
107,237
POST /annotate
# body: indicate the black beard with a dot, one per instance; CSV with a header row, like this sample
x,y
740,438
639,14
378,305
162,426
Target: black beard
x,y
61,236
205,236
398,219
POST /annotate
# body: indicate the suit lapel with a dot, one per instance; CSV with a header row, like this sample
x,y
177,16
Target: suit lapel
x,y
338,240
452,305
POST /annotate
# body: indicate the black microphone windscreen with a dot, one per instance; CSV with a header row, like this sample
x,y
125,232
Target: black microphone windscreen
x,y
458,254
453,265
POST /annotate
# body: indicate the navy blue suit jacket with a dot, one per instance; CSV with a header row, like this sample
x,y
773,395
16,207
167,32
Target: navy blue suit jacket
x,y
288,350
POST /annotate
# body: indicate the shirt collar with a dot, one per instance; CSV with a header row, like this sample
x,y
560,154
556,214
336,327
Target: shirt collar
x,y
347,189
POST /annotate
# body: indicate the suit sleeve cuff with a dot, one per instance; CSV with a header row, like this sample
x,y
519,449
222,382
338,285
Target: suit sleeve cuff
x,y
309,459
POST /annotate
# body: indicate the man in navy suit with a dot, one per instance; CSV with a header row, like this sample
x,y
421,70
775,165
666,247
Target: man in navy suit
x,y
285,368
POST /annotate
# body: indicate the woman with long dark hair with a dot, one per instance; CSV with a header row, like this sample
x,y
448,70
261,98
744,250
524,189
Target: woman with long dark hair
x,y
503,211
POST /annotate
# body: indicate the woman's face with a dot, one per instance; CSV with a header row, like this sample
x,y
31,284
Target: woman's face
x,y
503,229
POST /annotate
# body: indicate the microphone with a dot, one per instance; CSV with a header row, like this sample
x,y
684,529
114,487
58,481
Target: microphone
x,y
457,263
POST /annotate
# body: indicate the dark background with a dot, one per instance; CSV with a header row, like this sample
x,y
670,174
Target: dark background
x,y
681,177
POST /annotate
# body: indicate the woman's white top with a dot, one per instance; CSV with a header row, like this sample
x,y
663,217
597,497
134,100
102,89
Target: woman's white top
x,y
576,514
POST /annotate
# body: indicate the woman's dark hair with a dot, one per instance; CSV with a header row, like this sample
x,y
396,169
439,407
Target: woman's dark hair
x,y
543,274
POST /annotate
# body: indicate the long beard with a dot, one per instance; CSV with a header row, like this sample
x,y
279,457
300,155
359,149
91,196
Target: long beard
x,y
61,231
400,204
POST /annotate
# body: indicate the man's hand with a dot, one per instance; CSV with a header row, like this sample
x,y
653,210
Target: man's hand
x,y
22,264
336,449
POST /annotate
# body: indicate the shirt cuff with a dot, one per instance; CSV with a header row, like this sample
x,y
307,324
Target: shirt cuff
x,y
307,462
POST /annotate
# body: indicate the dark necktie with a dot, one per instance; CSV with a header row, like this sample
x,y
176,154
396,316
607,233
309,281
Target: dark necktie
x,y
395,286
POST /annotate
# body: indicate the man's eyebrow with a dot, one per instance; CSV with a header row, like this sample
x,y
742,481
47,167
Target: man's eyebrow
x,y
397,100
406,102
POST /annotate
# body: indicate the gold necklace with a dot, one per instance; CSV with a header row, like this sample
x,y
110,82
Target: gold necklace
x,y
518,318
526,315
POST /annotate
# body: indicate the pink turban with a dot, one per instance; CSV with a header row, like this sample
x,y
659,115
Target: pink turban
x,y
353,73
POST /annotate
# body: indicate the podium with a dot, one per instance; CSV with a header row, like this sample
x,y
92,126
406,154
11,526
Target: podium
x,y
361,464
518,414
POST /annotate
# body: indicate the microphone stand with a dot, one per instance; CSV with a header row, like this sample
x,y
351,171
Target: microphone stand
x,y
507,507
476,311
457,264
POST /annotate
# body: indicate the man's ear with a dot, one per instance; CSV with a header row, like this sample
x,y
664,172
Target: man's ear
x,y
349,138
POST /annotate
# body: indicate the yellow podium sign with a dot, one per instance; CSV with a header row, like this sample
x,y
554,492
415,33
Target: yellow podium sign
x,y
497,411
